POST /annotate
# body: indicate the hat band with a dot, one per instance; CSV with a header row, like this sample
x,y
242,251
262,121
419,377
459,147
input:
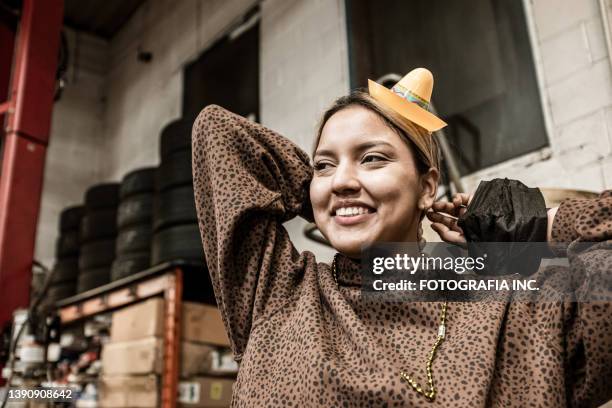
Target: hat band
x,y
410,96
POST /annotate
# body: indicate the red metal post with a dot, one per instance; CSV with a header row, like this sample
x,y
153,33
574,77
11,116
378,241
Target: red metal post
x,y
27,133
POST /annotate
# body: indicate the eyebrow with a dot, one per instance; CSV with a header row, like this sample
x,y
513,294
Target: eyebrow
x,y
360,147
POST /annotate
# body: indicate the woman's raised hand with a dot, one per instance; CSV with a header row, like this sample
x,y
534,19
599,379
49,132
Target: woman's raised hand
x,y
446,226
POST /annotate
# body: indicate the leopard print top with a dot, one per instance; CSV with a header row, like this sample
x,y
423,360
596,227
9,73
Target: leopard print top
x,y
302,341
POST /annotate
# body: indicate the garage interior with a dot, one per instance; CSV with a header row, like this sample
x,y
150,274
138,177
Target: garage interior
x,y
98,225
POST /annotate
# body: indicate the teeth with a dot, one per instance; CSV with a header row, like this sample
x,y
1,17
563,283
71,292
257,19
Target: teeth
x,y
351,211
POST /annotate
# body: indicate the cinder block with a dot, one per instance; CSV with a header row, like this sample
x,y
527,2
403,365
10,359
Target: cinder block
x,y
584,140
606,166
589,178
553,16
581,93
597,39
565,54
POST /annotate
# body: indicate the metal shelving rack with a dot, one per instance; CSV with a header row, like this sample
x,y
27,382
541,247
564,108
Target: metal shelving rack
x,y
165,280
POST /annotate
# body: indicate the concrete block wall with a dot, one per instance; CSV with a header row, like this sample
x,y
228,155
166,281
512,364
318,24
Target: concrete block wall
x,y
576,85
143,97
75,156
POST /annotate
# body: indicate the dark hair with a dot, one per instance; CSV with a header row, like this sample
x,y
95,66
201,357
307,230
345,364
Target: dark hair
x,y
422,143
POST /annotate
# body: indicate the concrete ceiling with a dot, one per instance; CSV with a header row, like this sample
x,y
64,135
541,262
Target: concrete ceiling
x,y
102,18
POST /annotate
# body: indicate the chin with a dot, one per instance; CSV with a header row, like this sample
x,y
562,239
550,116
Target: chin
x,y
348,243
349,247
350,251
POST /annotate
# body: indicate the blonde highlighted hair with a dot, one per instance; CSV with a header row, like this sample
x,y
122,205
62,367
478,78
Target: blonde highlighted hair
x,y
422,143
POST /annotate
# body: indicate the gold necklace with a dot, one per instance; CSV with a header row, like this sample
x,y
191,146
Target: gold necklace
x,y
429,394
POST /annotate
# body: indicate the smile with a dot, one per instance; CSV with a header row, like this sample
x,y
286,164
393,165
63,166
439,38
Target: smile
x,y
352,215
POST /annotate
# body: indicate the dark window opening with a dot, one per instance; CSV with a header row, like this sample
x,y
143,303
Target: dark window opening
x,y
480,54
227,74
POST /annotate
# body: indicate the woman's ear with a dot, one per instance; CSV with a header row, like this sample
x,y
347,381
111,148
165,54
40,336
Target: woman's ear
x,y
429,188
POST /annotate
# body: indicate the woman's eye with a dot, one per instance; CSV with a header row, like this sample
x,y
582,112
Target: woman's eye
x,y
372,158
321,166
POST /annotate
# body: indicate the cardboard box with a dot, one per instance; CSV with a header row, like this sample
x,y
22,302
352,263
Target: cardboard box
x,y
145,356
141,320
203,324
196,359
200,323
205,392
128,391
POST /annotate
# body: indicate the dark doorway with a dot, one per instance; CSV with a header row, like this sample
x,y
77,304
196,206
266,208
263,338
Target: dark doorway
x,y
480,54
227,74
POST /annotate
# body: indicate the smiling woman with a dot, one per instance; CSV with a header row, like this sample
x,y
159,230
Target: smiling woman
x,y
302,332
375,174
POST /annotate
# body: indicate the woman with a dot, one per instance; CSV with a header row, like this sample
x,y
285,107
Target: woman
x,y
303,335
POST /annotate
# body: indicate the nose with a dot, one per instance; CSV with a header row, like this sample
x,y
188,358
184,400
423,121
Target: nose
x,y
345,179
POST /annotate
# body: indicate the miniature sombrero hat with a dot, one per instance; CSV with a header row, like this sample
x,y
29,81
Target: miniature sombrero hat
x,y
410,98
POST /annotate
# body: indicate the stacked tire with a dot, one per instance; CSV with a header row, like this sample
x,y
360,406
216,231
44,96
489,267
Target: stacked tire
x,y
67,248
98,235
135,223
175,223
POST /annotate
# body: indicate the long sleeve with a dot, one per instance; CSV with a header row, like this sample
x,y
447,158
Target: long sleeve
x,y
583,228
248,180
586,220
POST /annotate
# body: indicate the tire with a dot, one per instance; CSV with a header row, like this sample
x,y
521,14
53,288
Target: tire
x,y
137,182
70,218
61,291
98,225
134,239
65,270
175,171
174,206
136,209
178,242
127,265
67,244
97,254
102,196
175,136
92,278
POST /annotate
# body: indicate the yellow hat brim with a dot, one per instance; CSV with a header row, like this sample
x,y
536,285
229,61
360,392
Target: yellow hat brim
x,y
408,110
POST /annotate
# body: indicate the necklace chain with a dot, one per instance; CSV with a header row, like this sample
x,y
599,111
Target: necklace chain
x,y
430,393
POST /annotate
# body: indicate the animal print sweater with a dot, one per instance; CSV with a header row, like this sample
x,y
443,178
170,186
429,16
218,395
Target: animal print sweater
x,y
303,341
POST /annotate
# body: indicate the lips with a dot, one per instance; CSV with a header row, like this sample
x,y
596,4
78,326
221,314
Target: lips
x,y
353,214
350,207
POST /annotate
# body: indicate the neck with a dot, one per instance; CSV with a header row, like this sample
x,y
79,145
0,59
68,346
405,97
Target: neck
x,y
412,233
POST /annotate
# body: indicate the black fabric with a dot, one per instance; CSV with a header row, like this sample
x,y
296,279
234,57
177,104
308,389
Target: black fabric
x,y
508,211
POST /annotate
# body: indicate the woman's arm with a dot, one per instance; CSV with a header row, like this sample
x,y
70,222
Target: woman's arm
x,y
586,220
248,180
568,229
582,230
